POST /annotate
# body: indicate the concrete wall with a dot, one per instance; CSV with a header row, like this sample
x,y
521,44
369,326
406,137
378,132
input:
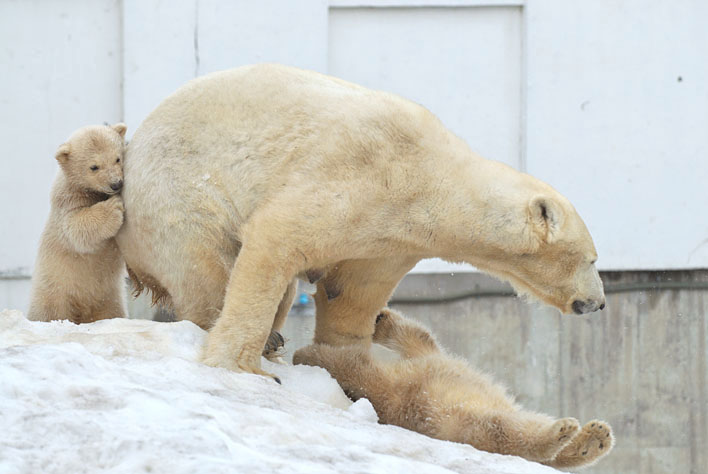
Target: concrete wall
x,y
641,364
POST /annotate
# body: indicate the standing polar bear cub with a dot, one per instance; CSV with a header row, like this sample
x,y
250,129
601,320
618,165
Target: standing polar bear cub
x,y
443,397
78,273
244,180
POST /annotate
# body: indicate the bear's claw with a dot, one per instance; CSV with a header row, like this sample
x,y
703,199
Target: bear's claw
x,y
274,346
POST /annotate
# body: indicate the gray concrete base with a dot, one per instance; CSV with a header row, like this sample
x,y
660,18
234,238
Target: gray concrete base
x,y
641,364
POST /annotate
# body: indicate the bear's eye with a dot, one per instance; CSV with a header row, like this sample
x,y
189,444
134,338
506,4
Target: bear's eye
x,y
94,168
118,160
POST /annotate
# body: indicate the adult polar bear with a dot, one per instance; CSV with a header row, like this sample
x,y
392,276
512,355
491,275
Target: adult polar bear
x,y
298,173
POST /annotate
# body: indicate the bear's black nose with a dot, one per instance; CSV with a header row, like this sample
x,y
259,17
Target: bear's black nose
x,y
116,186
581,307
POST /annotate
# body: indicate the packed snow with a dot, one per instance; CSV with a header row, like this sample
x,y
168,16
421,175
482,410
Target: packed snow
x,y
129,396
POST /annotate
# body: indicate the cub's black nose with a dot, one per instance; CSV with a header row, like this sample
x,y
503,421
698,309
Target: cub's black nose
x,y
116,186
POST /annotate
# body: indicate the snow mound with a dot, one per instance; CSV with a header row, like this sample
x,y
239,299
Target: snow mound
x,y
129,396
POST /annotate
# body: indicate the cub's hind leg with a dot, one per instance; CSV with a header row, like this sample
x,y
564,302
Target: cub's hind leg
x,y
529,435
404,336
591,444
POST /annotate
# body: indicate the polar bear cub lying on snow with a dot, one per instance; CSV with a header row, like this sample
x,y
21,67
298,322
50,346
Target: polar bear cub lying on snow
x,y
443,397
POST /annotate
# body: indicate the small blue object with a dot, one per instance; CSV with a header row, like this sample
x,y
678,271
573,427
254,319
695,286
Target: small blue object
x,y
303,299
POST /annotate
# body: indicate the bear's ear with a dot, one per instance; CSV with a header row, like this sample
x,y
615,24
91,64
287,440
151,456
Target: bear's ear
x,y
546,217
120,128
63,152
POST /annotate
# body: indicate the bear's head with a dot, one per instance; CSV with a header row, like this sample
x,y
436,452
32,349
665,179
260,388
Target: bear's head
x,y
547,253
92,158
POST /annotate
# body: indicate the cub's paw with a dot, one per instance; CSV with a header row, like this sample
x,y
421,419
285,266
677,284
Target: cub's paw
x,y
565,428
114,210
554,438
387,322
592,443
309,355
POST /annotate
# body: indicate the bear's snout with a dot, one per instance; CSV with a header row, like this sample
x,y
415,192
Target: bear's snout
x,y
117,185
582,307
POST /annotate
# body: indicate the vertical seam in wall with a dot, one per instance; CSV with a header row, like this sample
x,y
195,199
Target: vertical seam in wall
x,y
523,164
121,53
328,32
196,38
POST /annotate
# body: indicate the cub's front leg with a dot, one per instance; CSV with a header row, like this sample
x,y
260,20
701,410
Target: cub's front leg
x,y
404,336
87,228
352,367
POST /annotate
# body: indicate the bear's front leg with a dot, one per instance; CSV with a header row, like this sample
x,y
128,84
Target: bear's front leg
x,y
258,281
87,228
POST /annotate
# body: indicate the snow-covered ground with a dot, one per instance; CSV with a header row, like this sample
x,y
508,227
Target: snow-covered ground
x,y
128,396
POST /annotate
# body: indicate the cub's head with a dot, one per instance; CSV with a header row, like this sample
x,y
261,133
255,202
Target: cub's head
x,y
550,255
92,158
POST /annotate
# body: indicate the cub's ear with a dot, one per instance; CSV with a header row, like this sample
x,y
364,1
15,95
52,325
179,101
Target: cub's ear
x,y
120,127
63,152
546,217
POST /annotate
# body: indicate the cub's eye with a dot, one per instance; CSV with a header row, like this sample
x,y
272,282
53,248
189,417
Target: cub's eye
x,y
94,168
118,160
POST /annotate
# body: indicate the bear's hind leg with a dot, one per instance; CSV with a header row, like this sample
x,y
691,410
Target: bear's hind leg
x,y
350,296
259,278
587,447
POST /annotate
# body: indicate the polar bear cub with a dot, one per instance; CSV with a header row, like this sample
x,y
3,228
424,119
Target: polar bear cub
x,y
443,397
78,273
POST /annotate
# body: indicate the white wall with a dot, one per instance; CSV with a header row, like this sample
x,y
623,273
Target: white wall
x,y
60,68
605,100
617,120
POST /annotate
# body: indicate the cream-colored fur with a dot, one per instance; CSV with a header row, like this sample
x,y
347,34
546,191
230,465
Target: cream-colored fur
x,y
78,273
301,174
443,397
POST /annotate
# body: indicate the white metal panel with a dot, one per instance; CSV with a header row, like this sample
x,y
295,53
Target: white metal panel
x,y
618,122
463,64
61,69
610,124
424,3
234,33
169,43
159,53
